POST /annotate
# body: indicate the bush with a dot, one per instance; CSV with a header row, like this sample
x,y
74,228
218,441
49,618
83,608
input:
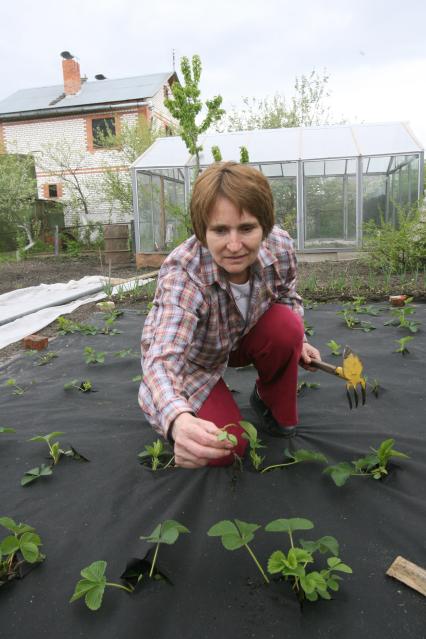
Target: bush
x,y
397,249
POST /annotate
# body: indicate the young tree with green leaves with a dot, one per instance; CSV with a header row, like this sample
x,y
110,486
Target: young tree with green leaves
x,y
307,107
18,193
186,105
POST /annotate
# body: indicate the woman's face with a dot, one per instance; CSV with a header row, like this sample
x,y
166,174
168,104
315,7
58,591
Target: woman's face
x,y
233,239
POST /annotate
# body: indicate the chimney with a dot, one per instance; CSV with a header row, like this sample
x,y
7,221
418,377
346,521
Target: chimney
x,y
72,79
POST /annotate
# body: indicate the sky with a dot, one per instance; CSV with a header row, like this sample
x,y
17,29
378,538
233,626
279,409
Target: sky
x,y
374,52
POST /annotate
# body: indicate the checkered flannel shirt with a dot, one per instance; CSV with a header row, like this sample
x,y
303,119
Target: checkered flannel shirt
x,y
195,323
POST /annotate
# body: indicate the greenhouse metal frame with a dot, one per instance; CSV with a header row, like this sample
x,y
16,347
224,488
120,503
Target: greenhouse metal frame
x,y
326,181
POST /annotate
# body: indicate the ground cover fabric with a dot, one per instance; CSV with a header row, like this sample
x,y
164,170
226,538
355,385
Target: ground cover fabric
x,y
98,510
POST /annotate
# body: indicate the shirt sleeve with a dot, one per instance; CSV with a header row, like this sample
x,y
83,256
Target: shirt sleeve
x,y
288,274
177,308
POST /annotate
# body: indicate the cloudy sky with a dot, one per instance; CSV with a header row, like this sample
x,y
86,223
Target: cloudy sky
x,y
374,51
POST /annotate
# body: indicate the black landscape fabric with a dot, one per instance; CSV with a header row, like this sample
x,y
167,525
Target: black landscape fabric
x,y
98,510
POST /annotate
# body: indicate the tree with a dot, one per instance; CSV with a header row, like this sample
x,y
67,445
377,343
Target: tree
x,y
307,107
18,193
129,143
186,105
63,161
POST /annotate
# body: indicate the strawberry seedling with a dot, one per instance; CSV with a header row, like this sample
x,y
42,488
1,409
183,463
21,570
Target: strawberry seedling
x,y
3,429
55,454
158,455
67,326
250,434
93,357
372,465
17,390
307,585
93,584
302,385
165,533
225,436
85,386
16,549
126,352
236,534
402,345
400,317
336,349
297,457
46,358
137,378
309,330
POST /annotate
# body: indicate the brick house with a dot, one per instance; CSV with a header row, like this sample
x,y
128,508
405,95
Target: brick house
x,y
73,117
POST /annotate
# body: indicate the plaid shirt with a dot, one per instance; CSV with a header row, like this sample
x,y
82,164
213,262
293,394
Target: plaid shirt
x,y
195,323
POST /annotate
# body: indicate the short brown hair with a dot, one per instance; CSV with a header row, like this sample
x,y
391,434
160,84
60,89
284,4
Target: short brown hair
x,y
246,187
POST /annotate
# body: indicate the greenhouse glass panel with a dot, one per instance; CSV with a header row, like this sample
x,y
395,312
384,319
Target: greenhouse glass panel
x,y
375,188
330,209
284,192
335,167
161,204
271,170
290,169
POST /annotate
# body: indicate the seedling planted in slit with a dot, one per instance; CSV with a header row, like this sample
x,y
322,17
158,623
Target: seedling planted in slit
x,y
237,534
85,386
402,344
336,349
158,455
17,390
55,454
93,357
400,317
297,457
165,533
16,549
292,564
372,465
250,434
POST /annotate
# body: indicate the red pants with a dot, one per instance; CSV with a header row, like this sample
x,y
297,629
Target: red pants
x,y
273,346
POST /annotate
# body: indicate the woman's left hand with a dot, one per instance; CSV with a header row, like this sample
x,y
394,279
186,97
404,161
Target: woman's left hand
x,y
308,351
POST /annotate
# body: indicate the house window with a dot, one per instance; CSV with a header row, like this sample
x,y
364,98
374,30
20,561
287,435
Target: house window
x,y
102,128
52,190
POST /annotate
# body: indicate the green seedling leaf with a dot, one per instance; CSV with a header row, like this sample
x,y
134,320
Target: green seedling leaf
x,y
402,348
92,586
234,535
9,545
336,349
326,544
336,564
339,473
137,378
35,473
46,438
3,429
165,533
9,523
289,525
250,432
303,455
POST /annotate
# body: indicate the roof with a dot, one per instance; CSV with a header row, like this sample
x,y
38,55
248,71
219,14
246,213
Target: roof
x,y
91,93
286,145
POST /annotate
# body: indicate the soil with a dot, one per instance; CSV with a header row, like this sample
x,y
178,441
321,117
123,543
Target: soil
x,y
50,270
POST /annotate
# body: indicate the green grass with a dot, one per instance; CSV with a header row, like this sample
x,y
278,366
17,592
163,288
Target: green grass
x,y
7,256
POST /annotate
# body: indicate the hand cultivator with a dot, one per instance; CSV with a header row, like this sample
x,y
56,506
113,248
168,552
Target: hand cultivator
x,y
350,371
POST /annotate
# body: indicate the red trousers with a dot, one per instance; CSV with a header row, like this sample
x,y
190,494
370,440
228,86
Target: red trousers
x,y
273,346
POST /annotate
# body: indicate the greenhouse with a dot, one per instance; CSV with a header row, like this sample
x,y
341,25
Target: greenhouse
x,y
326,181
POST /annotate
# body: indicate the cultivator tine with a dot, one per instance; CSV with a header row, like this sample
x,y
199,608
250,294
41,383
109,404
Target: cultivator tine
x,y
348,395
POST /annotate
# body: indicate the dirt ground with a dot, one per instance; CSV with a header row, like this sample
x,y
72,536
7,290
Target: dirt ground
x,y
50,270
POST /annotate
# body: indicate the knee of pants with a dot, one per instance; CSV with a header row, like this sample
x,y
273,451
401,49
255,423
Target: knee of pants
x,y
284,328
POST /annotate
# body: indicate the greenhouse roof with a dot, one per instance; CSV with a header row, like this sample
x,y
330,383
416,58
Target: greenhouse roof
x,y
287,145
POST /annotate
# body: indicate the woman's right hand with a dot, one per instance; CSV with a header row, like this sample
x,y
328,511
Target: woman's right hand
x,y
196,441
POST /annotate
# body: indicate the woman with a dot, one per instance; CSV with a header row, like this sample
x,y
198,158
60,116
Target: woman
x,y
226,296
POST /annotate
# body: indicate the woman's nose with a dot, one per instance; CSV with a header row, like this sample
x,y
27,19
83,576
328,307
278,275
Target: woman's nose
x,y
234,244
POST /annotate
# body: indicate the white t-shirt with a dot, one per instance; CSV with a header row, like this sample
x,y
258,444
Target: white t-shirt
x,y
241,293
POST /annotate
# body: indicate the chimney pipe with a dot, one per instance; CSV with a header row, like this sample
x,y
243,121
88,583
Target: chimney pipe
x,y
72,79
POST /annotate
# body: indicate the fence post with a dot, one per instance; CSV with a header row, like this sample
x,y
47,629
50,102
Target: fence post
x,y
56,240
